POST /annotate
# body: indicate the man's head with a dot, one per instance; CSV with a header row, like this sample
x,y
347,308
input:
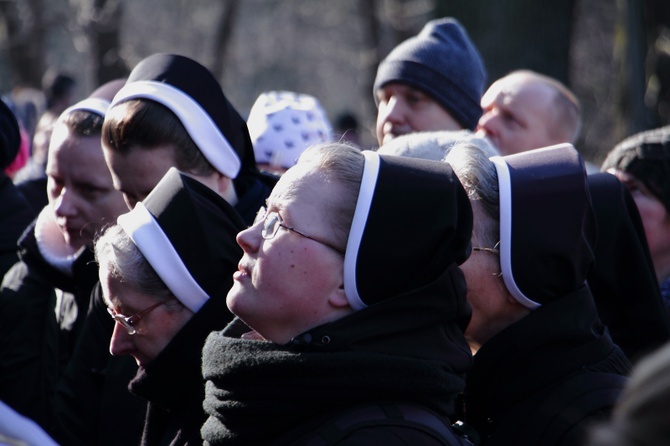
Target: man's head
x,y
173,113
642,164
526,110
432,81
79,185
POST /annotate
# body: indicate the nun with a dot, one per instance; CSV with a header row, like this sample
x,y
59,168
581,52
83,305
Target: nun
x,y
544,364
165,269
350,307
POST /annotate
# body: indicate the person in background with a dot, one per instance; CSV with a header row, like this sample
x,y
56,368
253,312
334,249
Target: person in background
x,y
544,365
343,337
44,296
432,81
525,110
15,212
282,124
165,269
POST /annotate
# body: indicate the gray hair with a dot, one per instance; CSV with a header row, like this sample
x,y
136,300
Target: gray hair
x,y
116,253
479,178
433,145
343,164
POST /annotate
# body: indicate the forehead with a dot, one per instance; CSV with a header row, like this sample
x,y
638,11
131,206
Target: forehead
x,y
139,169
69,150
519,91
303,184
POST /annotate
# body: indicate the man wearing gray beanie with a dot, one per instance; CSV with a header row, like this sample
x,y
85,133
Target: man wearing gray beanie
x,y
432,81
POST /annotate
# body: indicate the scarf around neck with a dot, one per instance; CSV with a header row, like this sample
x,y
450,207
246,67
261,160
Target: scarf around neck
x,y
257,391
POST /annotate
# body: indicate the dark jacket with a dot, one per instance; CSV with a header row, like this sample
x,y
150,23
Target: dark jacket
x,y
15,216
519,374
41,312
406,350
623,281
172,383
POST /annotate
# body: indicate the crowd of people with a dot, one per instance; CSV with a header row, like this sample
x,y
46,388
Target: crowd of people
x,y
176,274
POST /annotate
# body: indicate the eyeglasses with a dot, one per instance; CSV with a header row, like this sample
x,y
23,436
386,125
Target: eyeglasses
x,y
271,223
129,322
495,250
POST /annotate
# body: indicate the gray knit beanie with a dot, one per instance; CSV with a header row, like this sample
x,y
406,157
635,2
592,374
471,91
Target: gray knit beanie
x,y
442,62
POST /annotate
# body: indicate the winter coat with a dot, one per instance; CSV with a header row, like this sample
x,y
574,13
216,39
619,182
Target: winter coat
x,y
15,216
408,349
42,307
520,375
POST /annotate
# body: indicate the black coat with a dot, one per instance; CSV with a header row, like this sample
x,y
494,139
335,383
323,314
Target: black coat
x,y
406,350
515,372
16,214
41,313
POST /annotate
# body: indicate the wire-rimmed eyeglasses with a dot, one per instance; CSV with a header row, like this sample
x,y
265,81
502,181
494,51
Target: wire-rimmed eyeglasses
x,y
272,221
129,322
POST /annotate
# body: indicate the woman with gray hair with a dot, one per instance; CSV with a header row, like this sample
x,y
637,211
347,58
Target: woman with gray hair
x,y
544,366
165,269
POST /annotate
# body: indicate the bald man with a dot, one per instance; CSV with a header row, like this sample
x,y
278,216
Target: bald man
x,y
526,110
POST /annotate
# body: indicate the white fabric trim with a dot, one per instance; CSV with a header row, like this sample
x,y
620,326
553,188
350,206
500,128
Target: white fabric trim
x,y
98,106
148,236
505,193
365,195
52,245
198,123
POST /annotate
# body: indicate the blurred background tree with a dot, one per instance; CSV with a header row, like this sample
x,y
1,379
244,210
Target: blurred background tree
x,y
614,54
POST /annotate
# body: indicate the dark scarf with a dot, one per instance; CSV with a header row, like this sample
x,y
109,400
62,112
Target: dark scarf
x,y
260,390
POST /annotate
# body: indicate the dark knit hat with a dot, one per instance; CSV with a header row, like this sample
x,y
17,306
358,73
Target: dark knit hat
x,y
192,93
187,234
547,224
10,136
442,62
412,213
646,156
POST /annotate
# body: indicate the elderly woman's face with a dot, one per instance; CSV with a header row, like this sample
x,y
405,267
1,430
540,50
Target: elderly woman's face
x,y
290,283
155,327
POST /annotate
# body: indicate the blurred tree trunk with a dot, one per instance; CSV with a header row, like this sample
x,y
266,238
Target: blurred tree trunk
x,y
513,34
25,42
371,45
223,36
104,31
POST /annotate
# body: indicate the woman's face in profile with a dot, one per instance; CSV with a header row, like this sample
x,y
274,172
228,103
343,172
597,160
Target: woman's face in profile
x,y
291,282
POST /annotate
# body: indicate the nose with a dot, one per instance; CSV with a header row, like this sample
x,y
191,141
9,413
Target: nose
x,y
65,204
250,239
392,110
488,122
121,342
130,200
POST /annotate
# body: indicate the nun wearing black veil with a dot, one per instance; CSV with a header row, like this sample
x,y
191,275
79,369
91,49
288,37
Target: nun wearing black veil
x,y
544,364
351,308
165,269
